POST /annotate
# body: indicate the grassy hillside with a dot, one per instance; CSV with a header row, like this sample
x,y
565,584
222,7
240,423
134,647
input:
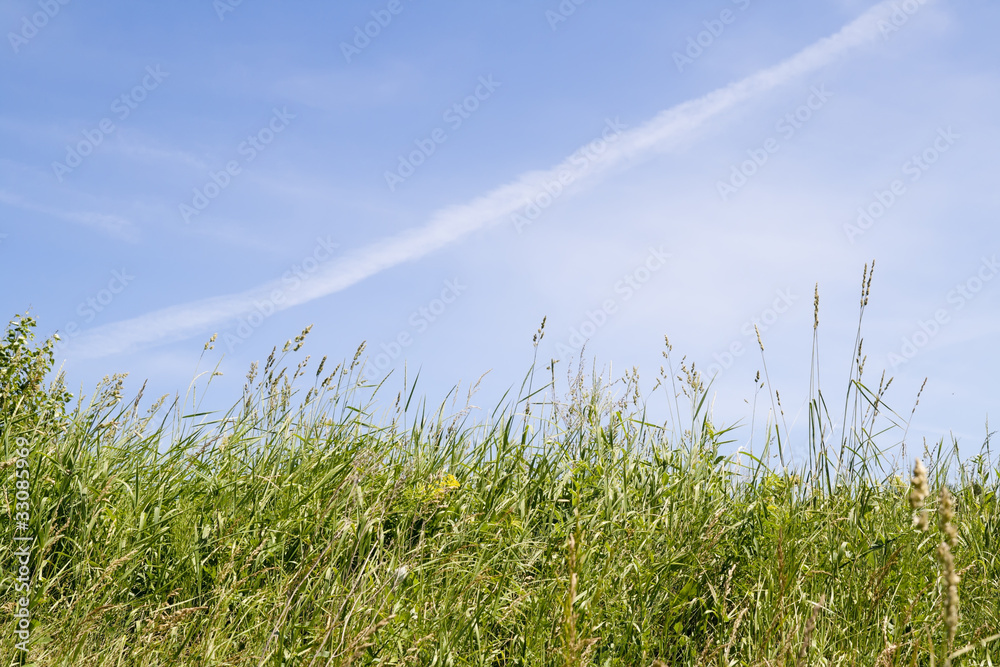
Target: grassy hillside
x,y
301,528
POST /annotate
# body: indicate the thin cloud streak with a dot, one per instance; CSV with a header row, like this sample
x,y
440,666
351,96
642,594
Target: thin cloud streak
x,y
114,225
453,223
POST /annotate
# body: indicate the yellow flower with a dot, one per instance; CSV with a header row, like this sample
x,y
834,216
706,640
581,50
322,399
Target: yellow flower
x,y
445,484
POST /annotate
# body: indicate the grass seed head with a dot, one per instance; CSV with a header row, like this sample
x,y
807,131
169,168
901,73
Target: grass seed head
x,y
816,308
949,577
918,492
949,581
946,515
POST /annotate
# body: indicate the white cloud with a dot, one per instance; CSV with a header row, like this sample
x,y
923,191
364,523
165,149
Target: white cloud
x,y
111,224
448,225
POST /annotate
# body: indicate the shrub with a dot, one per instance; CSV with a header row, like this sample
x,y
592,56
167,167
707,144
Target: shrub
x,y
26,402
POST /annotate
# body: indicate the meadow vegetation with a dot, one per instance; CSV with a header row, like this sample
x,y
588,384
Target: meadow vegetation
x,y
305,527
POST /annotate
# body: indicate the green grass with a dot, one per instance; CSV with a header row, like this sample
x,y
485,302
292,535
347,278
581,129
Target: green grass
x,y
307,530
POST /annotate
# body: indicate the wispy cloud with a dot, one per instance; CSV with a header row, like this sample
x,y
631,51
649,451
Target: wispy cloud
x,y
110,224
453,223
138,146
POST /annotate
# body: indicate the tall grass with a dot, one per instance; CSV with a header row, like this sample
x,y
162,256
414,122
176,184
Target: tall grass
x,y
305,529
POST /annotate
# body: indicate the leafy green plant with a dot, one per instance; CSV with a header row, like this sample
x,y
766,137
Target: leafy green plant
x,y
303,530
26,402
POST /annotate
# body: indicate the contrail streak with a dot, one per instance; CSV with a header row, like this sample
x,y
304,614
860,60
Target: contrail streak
x,y
451,224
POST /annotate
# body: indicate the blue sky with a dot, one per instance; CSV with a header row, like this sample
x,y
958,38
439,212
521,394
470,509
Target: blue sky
x,y
436,186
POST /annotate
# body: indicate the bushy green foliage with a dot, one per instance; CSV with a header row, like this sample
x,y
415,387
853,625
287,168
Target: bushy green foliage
x,y
286,533
26,402
312,532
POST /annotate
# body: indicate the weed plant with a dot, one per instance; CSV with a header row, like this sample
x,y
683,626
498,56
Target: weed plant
x,y
306,529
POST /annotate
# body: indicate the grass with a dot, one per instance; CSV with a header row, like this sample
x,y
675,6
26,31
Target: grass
x,y
305,530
